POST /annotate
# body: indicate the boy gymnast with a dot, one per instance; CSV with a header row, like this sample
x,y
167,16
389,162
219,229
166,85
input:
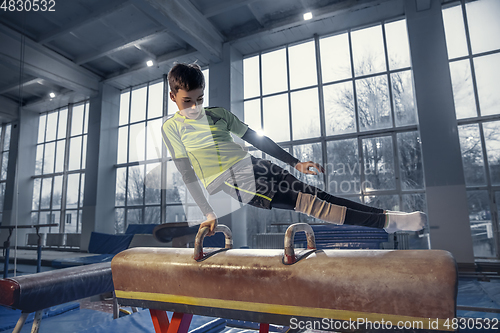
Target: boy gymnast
x,y
201,147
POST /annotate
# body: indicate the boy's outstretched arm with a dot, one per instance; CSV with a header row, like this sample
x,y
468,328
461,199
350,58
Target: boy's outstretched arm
x,y
270,147
194,188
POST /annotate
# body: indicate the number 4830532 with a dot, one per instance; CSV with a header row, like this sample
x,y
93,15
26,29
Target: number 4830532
x,y
28,5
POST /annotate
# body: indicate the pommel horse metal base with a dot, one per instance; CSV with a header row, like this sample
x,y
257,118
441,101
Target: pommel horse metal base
x,y
269,286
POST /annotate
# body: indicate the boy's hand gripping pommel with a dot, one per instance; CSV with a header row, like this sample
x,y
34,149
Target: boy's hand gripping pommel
x,y
304,167
210,222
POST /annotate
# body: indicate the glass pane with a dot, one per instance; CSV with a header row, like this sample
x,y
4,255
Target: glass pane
x,y
36,194
492,139
389,202
138,107
57,192
339,108
194,214
39,160
2,197
86,119
5,163
119,221
368,51
379,164
137,146
410,161
414,202
454,29
48,160
171,107
487,73
374,109
152,215
274,74
153,184
122,145
121,185
134,216
135,189
51,126
402,94
463,91
335,58
305,124
174,184
73,190
310,152
77,120
482,17
343,167
79,226
276,112
175,214
41,128
82,188
472,155
6,141
60,146
398,49
124,107
251,80
84,152
155,100
63,123
302,64
252,114
71,221
154,139
75,153
480,223
46,190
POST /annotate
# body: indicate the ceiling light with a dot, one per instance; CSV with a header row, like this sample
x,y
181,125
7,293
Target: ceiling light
x,y
260,132
308,16
149,63
52,95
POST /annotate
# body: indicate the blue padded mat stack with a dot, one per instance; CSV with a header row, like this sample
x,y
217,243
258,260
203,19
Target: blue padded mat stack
x,y
331,236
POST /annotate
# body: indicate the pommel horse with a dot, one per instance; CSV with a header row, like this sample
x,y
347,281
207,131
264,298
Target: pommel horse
x,y
269,286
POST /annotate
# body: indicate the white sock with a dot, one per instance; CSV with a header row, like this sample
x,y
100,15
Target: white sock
x,y
397,221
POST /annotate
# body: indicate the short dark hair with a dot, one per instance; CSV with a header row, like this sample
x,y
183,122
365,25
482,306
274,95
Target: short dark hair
x,y
185,76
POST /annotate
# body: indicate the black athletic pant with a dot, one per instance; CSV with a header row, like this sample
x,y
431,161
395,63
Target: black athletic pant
x,y
356,213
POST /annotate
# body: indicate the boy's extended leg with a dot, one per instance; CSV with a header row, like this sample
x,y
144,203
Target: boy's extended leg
x,y
296,195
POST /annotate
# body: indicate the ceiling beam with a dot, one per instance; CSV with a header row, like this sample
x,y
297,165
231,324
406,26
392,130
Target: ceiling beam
x,y
105,10
16,85
151,55
181,18
8,109
225,6
161,60
318,15
118,61
61,100
41,62
136,38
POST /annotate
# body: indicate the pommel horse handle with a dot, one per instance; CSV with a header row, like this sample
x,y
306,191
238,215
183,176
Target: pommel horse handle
x,y
289,257
198,242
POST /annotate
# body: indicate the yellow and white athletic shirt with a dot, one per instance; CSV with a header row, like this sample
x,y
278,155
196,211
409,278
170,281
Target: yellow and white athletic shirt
x,y
206,141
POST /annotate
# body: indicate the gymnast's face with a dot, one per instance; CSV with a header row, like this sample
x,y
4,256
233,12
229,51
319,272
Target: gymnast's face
x,y
190,103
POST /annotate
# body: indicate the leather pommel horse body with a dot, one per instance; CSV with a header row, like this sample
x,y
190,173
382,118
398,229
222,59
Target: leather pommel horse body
x,y
256,285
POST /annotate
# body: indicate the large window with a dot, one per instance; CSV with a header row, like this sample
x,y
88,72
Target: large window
x,y
149,189
345,101
5,131
60,168
472,31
